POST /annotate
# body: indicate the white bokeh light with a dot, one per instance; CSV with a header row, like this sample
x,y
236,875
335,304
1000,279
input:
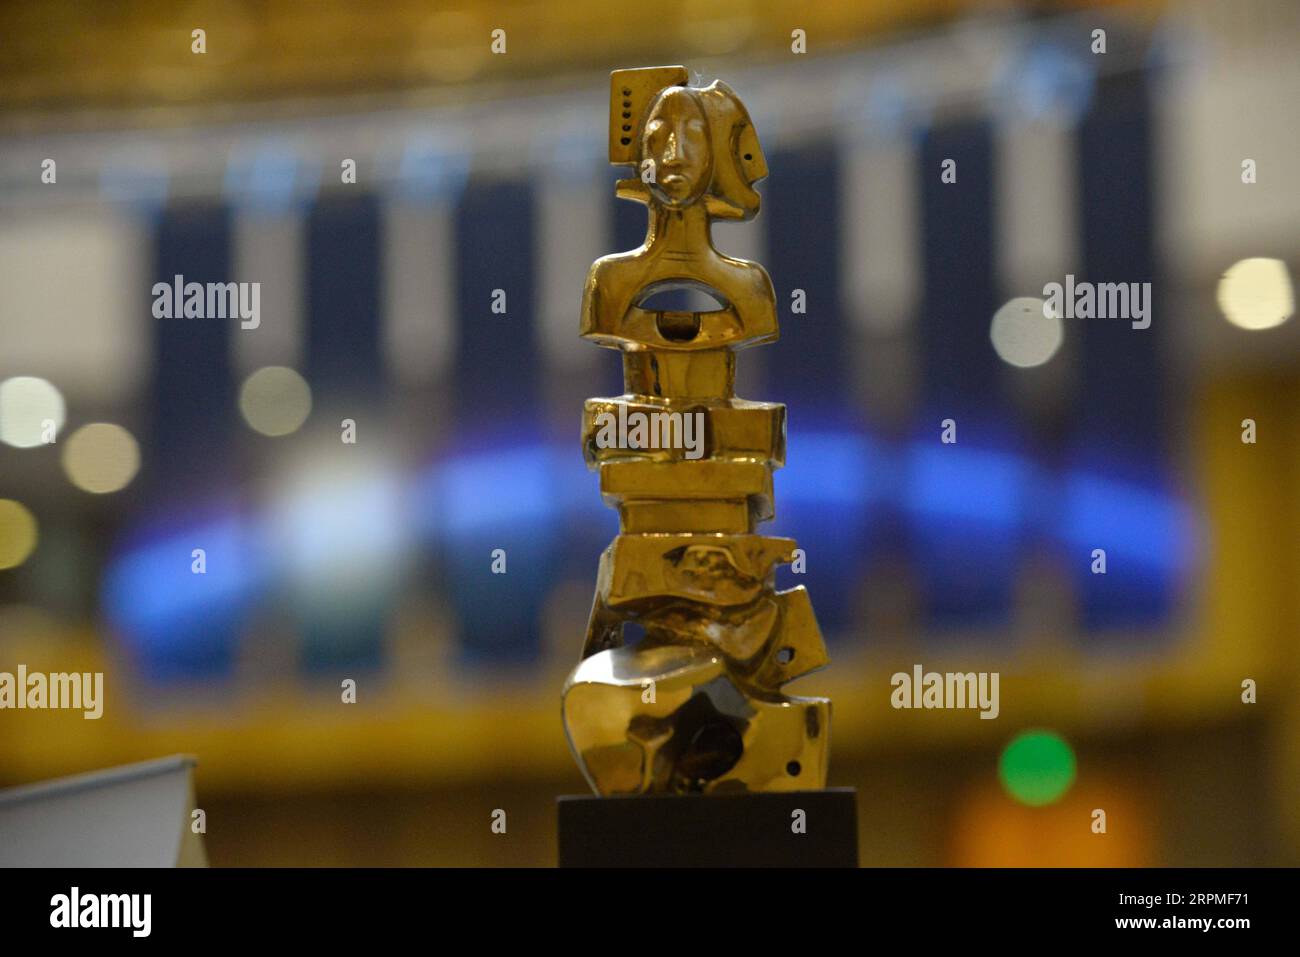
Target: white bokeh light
x,y
1024,334
275,400
1256,294
101,457
31,412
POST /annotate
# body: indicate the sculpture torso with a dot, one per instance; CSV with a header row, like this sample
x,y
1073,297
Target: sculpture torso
x,y
678,251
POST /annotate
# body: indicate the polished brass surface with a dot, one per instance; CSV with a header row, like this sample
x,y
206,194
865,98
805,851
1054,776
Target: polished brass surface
x,y
696,704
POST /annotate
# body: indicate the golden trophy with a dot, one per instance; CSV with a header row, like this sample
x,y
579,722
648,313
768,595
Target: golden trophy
x,y
695,706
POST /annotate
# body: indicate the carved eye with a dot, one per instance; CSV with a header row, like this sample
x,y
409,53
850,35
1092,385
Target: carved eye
x,y
654,126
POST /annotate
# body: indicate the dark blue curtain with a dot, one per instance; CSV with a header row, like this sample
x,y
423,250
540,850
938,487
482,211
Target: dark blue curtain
x,y
503,477
964,499
1121,419
344,367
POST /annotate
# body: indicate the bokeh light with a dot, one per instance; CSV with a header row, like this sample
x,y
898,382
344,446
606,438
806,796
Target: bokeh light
x,y
31,411
1023,334
101,457
275,400
341,534
1037,767
18,533
1256,294
990,831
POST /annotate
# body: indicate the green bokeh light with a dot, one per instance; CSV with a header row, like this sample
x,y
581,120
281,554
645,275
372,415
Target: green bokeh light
x,y
1037,767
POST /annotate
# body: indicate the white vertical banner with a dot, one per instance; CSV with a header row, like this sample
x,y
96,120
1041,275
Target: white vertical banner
x,y
881,238
1036,201
75,303
419,327
269,251
574,229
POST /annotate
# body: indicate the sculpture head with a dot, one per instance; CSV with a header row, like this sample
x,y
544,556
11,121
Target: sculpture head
x,y
675,143
700,141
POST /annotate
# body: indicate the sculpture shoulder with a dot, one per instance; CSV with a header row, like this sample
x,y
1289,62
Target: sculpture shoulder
x,y
614,262
606,272
751,277
597,282
753,272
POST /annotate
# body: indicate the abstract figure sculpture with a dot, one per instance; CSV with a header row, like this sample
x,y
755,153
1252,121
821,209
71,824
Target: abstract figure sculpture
x,y
695,705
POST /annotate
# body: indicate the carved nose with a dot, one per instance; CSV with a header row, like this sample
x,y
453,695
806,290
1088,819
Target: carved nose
x,y
672,154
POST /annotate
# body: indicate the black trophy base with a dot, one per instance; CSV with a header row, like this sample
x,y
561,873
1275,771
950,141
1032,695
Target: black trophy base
x,y
740,830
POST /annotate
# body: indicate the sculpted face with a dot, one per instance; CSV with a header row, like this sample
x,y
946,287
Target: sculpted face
x,y
676,138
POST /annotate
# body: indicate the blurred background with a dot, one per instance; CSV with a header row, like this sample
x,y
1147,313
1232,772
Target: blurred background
x,y
476,171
